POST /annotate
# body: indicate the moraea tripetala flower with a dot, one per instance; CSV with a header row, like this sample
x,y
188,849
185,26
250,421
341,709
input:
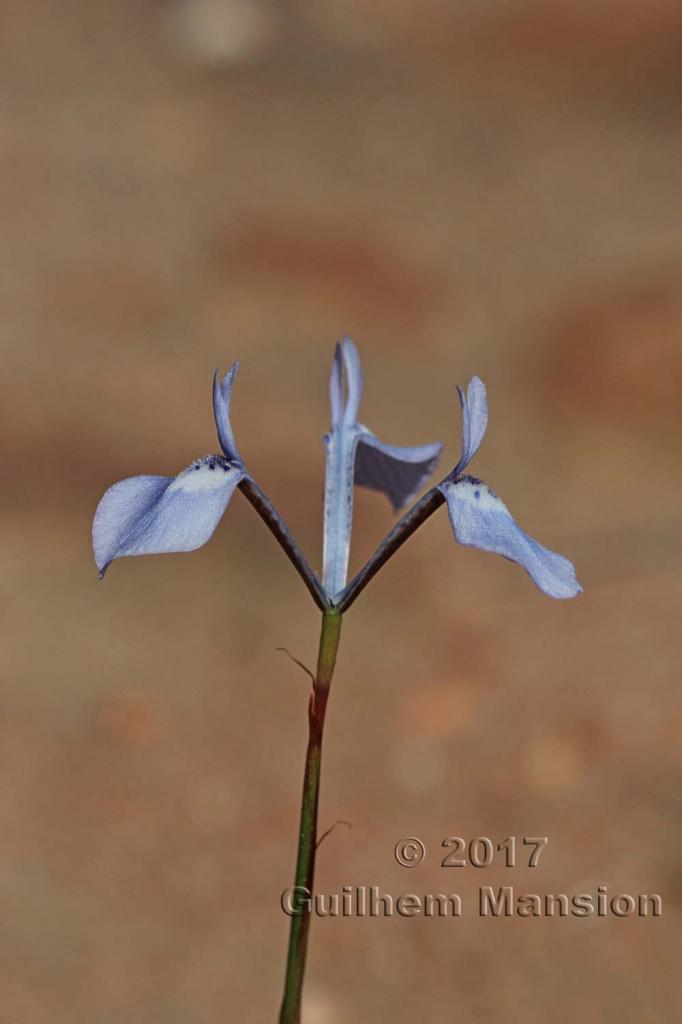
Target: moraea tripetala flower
x,y
153,514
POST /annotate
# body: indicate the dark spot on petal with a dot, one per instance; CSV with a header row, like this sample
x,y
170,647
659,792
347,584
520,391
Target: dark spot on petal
x,y
212,462
477,494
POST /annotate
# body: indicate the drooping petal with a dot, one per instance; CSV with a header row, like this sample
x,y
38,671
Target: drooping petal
x,y
398,472
222,394
474,421
480,519
147,515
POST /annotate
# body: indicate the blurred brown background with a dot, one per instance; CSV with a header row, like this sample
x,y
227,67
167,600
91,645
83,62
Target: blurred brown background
x,y
463,187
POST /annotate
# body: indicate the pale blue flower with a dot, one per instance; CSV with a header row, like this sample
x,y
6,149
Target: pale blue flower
x,y
481,520
153,514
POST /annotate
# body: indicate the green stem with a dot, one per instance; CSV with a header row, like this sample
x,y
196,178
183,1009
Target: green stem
x,y
330,635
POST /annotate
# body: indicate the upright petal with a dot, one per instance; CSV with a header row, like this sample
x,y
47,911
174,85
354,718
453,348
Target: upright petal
x,y
480,519
336,386
351,364
355,456
340,445
345,390
474,421
151,514
222,394
398,472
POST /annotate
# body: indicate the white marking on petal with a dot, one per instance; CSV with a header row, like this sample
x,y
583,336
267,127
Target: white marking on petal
x,y
477,494
203,476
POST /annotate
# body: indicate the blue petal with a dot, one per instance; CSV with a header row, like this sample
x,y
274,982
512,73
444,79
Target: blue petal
x,y
398,472
345,402
481,520
222,394
474,421
336,386
351,364
355,456
340,443
147,515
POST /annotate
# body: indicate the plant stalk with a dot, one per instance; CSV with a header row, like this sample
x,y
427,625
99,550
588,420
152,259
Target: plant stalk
x,y
393,540
279,529
330,635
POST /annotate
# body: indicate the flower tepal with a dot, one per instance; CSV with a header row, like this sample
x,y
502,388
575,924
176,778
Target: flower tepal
x,y
146,515
480,519
356,456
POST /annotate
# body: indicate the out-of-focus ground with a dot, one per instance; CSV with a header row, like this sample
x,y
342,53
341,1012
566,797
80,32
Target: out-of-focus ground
x,y
464,188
